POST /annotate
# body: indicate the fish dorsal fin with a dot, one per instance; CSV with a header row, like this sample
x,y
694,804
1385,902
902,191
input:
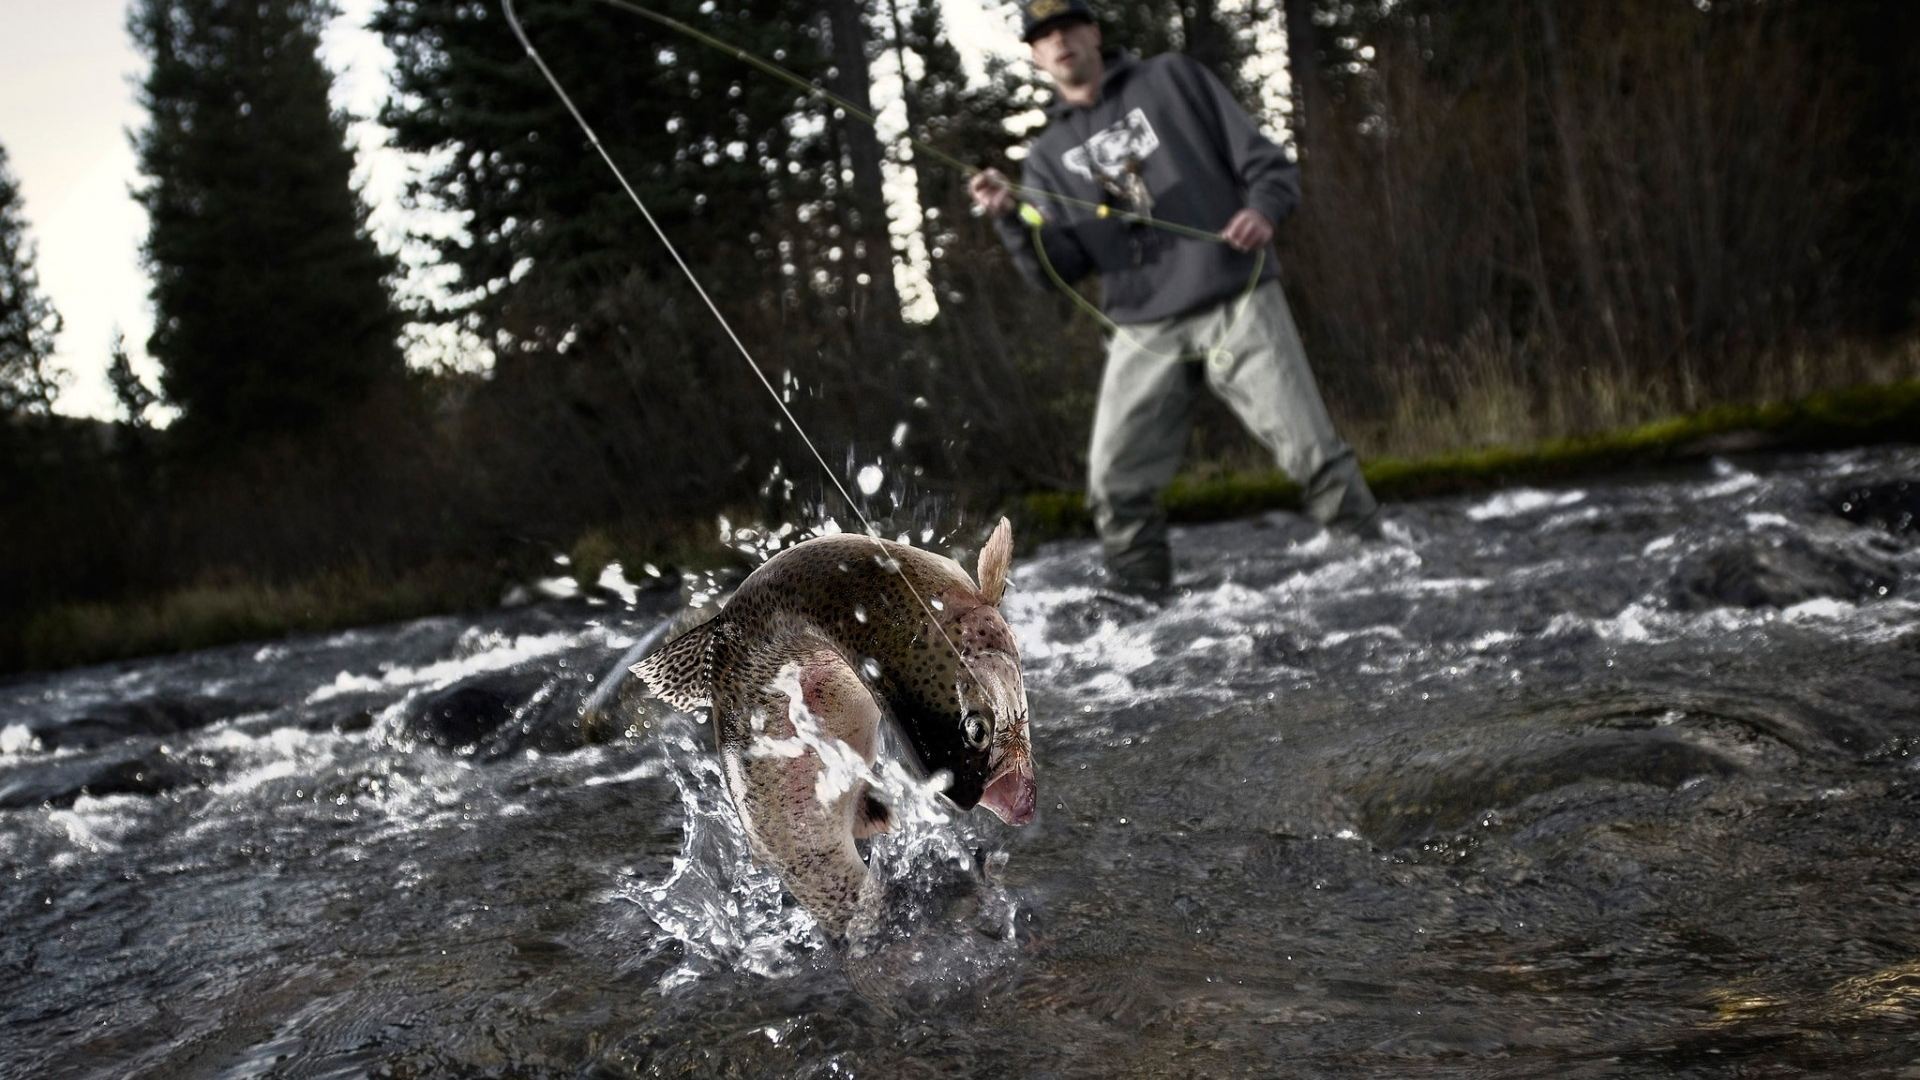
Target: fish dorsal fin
x,y
677,671
996,558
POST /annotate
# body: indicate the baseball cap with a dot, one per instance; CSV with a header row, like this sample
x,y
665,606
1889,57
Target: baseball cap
x,y
1037,15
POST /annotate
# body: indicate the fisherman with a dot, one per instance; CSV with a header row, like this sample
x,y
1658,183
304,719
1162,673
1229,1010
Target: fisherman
x,y
1132,142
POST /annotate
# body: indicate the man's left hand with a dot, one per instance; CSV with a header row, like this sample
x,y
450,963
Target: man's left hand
x,y
1249,229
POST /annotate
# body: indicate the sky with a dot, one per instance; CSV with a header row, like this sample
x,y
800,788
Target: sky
x,y
68,80
65,104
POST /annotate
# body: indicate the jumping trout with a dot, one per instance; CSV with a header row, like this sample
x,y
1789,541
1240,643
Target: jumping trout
x,y
862,631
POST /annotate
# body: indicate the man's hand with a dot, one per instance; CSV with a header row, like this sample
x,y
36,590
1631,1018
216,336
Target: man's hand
x,y
993,194
1249,229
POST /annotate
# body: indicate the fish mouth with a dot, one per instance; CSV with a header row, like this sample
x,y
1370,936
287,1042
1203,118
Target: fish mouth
x,y
1011,794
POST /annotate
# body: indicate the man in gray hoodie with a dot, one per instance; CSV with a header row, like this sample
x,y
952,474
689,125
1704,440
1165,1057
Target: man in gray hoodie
x,y
1131,142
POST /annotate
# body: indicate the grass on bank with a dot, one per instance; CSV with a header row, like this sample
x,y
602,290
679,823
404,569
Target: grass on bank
x,y
225,612
221,613
218,613
1855,416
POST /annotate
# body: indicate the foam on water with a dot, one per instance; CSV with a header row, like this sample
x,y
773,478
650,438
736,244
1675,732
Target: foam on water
x,y
1732,480
1510,504
18,739
95,826
497,656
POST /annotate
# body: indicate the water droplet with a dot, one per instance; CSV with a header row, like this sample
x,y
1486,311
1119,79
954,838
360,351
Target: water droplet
x,y
870,479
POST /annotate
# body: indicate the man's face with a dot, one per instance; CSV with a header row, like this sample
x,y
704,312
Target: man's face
x,y
1069,51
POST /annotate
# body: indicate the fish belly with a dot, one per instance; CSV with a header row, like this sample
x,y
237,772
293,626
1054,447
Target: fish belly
x,y
797,775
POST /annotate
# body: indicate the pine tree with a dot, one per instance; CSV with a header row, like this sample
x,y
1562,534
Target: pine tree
x,y
1221,40
724,156
28,322
863,201
132,392
271,302
964,123
608,371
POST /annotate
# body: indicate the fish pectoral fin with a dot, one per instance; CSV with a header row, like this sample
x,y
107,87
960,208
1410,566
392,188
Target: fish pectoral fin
x,y
870,817
676,673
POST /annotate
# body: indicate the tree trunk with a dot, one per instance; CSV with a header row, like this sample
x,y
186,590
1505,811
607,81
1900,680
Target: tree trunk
x,y
1303,57
877,303
1207,40
1586,246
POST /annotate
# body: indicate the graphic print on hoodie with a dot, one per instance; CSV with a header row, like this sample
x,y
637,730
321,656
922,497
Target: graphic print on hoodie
x,y
1116,158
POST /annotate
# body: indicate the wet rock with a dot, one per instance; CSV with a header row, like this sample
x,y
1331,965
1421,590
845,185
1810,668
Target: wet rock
x,y
60,783
331,717
1077,620
1404,807
467,714
111,723
355,721
1758,574
1893,506
503,713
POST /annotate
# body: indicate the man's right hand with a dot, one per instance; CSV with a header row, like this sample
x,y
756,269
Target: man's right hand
x,y
991,192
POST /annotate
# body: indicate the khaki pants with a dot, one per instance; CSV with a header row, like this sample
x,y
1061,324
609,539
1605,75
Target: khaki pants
x,y
1248,353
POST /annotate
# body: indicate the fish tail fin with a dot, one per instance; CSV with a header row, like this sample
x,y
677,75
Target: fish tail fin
x,y
677,671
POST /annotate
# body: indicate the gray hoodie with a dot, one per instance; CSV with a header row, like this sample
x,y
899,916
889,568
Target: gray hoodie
x,y
1168,124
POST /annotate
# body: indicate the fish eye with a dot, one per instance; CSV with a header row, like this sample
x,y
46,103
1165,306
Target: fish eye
x,y
976,731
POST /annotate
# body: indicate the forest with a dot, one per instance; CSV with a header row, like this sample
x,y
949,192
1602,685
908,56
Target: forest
x,y
1523,220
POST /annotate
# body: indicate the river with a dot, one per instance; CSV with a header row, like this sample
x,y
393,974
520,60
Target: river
x,y
1609,780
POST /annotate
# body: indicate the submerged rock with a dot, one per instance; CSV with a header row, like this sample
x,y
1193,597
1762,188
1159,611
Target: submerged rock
x,y
499,713
149,771
469,713
158,715
1399,808
1893,506
1758,574
1077,620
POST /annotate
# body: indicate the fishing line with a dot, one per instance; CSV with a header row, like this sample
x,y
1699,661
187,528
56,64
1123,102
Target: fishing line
x,y
513,20
1030,212
1209,355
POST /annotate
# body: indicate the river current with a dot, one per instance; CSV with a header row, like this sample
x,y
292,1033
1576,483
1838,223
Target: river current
x,y
1610,780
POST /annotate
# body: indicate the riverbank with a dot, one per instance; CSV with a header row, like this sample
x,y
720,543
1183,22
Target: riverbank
x,y
1857,416
217,613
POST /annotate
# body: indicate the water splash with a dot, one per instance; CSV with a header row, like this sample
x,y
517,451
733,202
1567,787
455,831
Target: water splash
x,y
934,923
725,912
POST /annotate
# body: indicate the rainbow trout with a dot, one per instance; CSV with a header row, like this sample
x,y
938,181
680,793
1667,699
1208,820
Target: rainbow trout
x,y
818,647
